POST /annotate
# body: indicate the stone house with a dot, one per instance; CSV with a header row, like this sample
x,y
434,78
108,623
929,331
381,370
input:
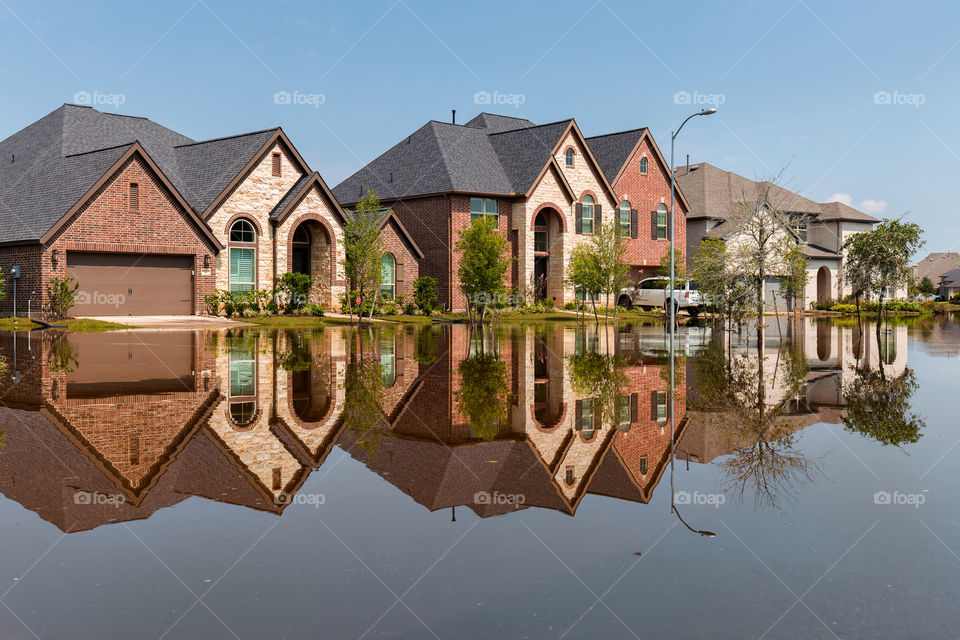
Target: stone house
x,y
149,221
819,228
546,187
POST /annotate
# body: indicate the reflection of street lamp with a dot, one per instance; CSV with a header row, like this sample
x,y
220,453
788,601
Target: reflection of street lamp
x,y
673,307
703,532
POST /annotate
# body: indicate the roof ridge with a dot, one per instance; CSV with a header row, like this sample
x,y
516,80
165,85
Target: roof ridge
x,y
536,126
116,146
236,135
616,133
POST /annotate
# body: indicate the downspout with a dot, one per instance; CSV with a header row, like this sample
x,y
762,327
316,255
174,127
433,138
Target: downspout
x,y
450,254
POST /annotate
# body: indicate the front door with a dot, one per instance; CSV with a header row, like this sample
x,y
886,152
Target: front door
x,y
540,276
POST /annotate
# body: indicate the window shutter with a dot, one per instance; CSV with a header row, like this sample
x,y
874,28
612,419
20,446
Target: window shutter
x,y
578,418
653,405
634,407
634,223
579,216
596,218
653,225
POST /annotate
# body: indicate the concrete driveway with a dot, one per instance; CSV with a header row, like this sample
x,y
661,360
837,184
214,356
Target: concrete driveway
x,y
172,322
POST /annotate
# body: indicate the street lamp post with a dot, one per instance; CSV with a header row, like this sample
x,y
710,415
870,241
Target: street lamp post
x,y
673,302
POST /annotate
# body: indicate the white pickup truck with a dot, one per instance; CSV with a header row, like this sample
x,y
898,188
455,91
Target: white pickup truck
x,y
655,292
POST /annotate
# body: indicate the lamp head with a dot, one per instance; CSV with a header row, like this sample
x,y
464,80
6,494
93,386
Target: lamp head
x,y
707,112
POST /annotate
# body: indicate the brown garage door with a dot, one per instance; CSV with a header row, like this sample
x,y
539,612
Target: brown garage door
x,y
122,284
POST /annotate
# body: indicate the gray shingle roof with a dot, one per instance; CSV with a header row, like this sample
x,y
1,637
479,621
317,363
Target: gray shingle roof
x,y
295,190
950,278
49,165
490,154
819,253
840,211
936,265
611,150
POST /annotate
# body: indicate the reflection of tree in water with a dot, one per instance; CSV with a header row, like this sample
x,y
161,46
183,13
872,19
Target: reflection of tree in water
x,y
878,406
482,394
601,378
732,394
364,396
62,356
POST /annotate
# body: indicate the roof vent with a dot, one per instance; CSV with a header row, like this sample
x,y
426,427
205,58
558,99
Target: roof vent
x,y
453,117
391,176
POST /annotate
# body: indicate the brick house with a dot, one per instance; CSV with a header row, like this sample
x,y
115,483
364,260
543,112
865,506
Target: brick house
x,y
819,228
149,221
545,185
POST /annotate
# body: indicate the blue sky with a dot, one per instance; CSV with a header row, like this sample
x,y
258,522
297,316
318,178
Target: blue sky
x,y
796,82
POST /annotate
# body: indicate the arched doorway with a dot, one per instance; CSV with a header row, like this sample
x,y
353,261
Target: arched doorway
x,y
823,284
548,255
310,254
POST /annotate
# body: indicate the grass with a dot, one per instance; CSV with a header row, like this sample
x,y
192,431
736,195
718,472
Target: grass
x,y
16,324
86,325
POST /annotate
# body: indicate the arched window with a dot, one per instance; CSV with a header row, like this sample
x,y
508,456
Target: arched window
x,y
243,256
540,237
243,382
660,222
569,157
388,271
388,361
300,253
625,219
586,224
643,165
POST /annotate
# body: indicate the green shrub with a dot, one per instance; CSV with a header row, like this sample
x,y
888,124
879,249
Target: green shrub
x,y
570,306
410,309
955,299
548,304
313,309
826,305
212,303
61,294
425,294
292,290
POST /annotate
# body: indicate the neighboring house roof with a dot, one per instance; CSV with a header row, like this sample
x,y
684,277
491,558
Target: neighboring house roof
x,y
491,154
56,161
936,265
951,278
839,211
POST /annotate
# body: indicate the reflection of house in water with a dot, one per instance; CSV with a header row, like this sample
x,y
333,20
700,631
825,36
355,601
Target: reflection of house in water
x,y
110,427
832,354
148,419
550,448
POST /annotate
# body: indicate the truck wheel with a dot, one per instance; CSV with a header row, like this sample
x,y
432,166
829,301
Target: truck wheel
x,y
625,302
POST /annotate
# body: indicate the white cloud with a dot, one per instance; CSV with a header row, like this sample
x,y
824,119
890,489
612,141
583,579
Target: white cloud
x,y
845,198
873,206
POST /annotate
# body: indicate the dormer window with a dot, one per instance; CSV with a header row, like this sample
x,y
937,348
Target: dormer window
x,y
277,169
134,197
643,165
569,157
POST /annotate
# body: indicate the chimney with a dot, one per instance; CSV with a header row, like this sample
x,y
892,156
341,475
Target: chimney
x,y
688,163
453,118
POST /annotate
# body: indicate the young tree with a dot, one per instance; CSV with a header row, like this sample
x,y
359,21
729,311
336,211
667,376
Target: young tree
x,y
584,275
484,260
609,246
879,260
679,267
364,251
926,286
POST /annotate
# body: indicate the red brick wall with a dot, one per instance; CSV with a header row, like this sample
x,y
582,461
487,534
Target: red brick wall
x,y
408,264
460,219
428,221
29,286
645,192
105,225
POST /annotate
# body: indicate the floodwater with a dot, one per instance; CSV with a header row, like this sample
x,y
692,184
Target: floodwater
x,y
430,482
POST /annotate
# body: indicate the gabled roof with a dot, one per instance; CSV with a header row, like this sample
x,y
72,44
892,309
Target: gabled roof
x,y
52,165
936,265
387,216
950,278
299,191
613,149
491,154
714,193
